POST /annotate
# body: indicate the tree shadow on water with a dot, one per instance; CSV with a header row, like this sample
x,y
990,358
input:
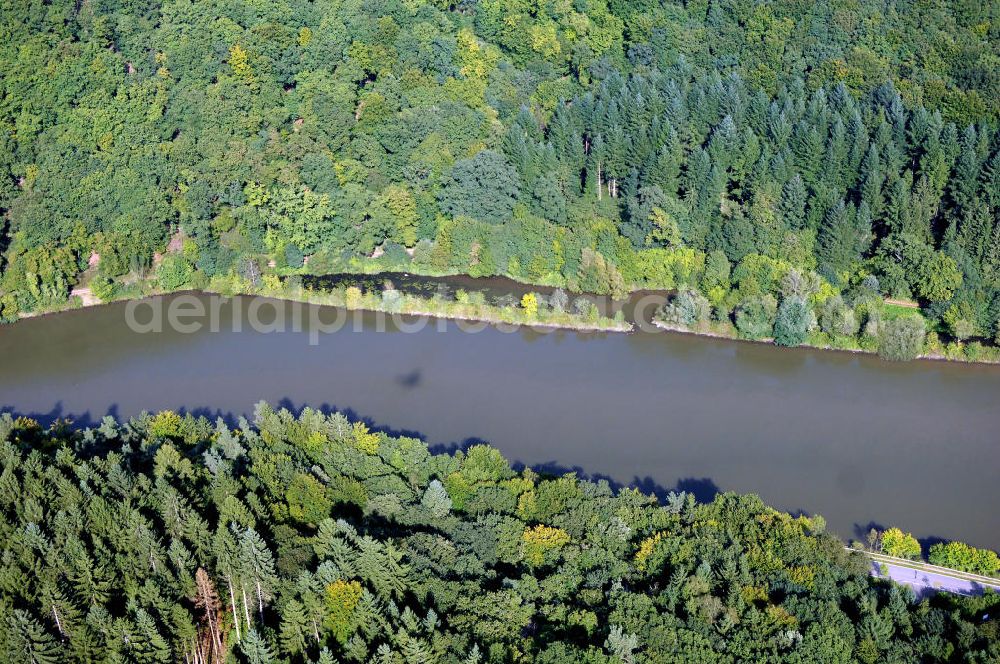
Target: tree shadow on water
x,y
352,416
458,446
928,541
380,427
861,532
58,412
704,489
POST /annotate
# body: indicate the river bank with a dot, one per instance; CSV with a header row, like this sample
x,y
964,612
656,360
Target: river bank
x,y
715,334
405,305
606,314
971,352
530,313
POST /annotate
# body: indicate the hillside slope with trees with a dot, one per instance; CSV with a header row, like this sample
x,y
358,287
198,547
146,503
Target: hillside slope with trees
x,y
780,160
312,538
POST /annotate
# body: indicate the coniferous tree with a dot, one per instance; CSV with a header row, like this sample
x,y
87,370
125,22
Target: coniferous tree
x,y
841,241
991,182
967,169
872,178
793,203
664,171
974,230
807,146
27,641
898,214
150,647
255,650
835,162
597,168
258,563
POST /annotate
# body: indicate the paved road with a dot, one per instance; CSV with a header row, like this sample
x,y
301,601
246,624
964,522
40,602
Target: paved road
x,y
926,579
924,582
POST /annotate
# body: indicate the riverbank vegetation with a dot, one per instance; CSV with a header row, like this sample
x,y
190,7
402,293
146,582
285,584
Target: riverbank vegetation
x,y
312,538
714,147
532,309
854,321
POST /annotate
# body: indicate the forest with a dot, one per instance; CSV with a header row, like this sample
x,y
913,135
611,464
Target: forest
x,y
313,538
785,165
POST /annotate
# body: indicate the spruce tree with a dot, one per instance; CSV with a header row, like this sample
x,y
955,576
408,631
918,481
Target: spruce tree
x,y
27,641
258,563
965,178
295,629
840,242
974,230
793,204
665,167
991,182
872,178
807,146
255,649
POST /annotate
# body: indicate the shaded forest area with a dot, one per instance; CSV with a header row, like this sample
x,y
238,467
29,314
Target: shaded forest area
x,y
811,156
312,538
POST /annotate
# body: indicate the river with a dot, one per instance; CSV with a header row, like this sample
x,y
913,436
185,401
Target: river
x,y
856,439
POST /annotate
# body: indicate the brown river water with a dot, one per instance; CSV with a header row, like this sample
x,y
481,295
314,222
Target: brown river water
x,y
848,436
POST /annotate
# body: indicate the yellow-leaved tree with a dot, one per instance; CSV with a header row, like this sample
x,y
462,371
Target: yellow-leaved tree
x,y
341,598
540,540
529,302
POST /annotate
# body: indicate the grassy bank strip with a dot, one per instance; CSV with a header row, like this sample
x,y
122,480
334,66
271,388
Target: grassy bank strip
x,y
466,307
408,305
469,307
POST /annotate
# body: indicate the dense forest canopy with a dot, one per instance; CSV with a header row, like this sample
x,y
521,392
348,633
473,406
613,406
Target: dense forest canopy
x,y
712,145
169,538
